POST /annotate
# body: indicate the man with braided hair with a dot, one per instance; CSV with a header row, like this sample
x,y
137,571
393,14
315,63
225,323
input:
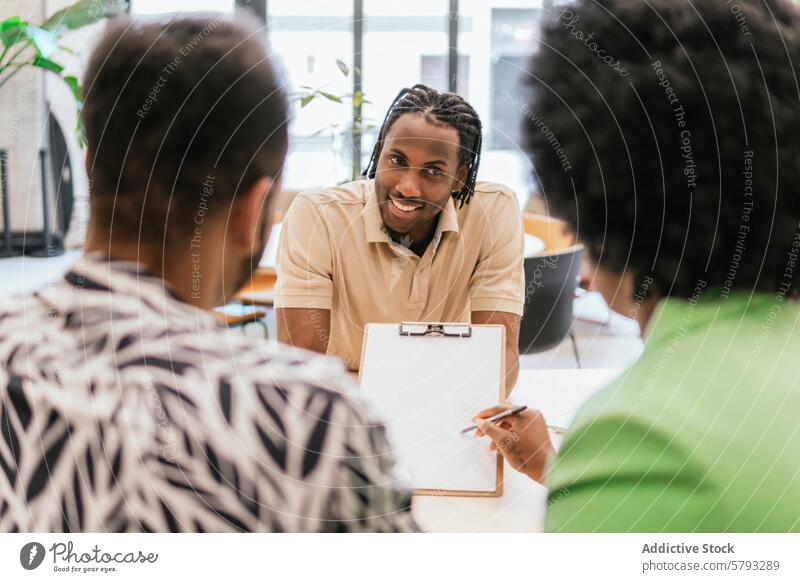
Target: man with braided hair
x,y
416,239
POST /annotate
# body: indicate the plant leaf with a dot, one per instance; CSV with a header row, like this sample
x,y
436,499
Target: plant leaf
x,y
306,99
80,133
74,86
12,30
11,21
323,130
84,12
44,42
343,67
330,97
44,63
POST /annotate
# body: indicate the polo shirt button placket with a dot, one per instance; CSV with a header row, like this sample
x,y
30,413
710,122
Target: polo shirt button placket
x,y
420,286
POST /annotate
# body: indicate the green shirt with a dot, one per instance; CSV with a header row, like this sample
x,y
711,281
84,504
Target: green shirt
x,y
701,434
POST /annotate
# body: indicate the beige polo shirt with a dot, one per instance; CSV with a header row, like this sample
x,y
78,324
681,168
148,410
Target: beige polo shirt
x,y
335,254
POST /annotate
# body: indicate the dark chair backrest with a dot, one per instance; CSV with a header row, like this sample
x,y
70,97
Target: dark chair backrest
x,y
550,283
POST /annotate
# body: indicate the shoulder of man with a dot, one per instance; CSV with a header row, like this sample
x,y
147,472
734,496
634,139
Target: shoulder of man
x,y
254,361
269,409
237,382
493,189
492,197
491,202
350,194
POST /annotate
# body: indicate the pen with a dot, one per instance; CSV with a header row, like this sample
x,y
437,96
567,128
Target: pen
x,y
513,412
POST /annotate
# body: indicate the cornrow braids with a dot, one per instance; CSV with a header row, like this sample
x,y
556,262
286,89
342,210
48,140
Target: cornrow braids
x,y
441,108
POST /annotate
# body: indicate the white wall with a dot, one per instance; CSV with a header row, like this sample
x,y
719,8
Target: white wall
x,y
63,106
23,103
21,130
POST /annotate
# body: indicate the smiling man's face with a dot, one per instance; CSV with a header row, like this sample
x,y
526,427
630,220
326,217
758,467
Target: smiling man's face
x,y
418,170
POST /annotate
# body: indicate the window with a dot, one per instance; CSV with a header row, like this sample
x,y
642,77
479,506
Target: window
x,y
314,42
145,7
431,65
404,44
498,36
512,38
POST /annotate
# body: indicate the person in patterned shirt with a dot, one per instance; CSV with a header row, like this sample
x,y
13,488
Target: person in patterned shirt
x,y
124,404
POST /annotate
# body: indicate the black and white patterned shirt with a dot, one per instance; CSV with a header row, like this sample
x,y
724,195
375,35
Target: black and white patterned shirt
x,y
124,409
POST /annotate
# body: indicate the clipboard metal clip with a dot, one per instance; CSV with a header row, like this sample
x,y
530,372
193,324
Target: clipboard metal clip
x,y
409,328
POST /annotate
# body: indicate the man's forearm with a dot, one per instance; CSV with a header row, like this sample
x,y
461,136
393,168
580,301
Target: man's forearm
x,y
512,367
304,328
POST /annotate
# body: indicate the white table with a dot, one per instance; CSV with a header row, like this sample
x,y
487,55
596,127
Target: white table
x,y
558,394
20,275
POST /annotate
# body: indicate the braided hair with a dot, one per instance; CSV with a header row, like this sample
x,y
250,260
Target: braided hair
x,y
441,109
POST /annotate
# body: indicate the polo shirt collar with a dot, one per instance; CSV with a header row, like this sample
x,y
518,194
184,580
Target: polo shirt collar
x,y
448,221
373,223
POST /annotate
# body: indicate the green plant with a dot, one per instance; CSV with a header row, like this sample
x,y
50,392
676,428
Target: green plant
x,y
357,99
25,44
358,125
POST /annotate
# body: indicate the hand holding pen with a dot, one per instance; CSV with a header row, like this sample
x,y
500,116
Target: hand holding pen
x,y
513,411
522,437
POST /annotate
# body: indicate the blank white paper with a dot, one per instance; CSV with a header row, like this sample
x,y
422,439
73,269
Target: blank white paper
x,y
426,390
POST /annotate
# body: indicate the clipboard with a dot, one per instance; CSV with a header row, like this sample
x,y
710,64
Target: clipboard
x,y
426,381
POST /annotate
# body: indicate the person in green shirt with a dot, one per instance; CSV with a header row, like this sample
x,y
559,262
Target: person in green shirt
x,y
677,166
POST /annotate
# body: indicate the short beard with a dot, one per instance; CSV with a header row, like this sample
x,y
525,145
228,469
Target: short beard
x,y
394,234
